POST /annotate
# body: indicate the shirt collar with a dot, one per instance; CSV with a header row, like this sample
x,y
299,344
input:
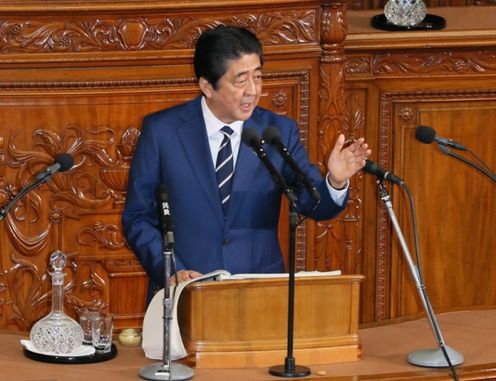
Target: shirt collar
x,y
214,124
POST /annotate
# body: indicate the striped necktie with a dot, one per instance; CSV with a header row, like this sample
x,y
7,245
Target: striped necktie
x,y
224,168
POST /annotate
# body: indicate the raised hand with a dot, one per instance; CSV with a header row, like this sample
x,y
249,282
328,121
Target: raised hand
x,y
346,159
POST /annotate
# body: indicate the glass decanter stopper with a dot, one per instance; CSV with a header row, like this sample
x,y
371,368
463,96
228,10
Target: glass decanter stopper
x,y
405,12
57,332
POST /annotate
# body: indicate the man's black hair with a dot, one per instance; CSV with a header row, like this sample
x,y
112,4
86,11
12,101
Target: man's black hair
x,y
217,46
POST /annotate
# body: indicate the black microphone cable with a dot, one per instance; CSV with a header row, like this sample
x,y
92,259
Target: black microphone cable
x,y
382,175
422,288
428,305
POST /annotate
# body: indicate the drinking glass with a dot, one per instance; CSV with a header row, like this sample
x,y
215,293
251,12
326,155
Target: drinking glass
x,y
101,328
86,315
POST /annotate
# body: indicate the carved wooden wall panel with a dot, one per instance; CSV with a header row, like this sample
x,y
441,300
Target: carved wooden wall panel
x,y
78,211
451,89
78,78
143,30
336,240
83,213
455,204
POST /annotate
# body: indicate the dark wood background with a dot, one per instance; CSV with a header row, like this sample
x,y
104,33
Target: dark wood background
x,y
79,77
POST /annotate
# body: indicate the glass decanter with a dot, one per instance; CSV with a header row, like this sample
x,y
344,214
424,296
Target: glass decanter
x,y
57,333
405,12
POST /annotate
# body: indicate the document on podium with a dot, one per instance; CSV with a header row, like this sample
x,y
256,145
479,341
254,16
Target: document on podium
x,y
153,324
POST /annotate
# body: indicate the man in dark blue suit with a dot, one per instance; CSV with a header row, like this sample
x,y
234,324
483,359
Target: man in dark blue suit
x,y
179,147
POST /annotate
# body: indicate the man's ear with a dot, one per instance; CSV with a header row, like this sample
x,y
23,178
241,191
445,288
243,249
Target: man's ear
x,y
205,87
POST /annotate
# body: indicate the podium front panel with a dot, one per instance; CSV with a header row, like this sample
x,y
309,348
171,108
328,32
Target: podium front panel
x,y
243,323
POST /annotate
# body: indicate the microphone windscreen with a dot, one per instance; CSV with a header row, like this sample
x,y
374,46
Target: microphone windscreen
x,y
162,193
250,137
65,161
425,134
370,167
272,135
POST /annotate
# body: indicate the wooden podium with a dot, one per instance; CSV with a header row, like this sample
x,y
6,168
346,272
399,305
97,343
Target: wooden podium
x,y
243,323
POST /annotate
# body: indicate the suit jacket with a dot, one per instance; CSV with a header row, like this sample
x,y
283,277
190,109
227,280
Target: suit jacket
x,y
173,150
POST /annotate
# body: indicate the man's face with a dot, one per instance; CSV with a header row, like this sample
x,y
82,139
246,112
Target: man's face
x,y
238,90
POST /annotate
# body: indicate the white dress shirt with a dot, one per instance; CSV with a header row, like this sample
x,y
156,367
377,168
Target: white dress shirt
x,y
215,137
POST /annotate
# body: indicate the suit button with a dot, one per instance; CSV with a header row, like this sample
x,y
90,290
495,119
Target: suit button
x,y
225,242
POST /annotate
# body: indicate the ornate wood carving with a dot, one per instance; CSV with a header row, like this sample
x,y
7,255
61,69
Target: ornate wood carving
x,y
31,247
382,262
336,238
280,100
446,62
354,127
92,33
356,65
107,236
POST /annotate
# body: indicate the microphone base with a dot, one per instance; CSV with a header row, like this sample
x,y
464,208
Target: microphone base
x,y
176,372
291,372
434,358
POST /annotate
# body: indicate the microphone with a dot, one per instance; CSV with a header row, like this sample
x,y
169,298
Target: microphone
x,y
427,135
166,370
273,136
165,215
250,137
62,163
382,174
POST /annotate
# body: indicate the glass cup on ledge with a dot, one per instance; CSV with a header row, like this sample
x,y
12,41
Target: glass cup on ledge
x,y
86,316
102,328
405,12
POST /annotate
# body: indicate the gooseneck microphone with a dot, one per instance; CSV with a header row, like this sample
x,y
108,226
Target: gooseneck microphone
x,y
61,163
428,135
166,370
250,137
381,173
165,214
273,137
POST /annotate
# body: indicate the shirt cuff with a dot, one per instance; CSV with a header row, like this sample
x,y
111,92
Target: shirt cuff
x,y
337,195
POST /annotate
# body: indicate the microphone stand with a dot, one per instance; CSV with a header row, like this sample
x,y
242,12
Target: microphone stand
x,y
485,171
290,369
425,358
167,370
